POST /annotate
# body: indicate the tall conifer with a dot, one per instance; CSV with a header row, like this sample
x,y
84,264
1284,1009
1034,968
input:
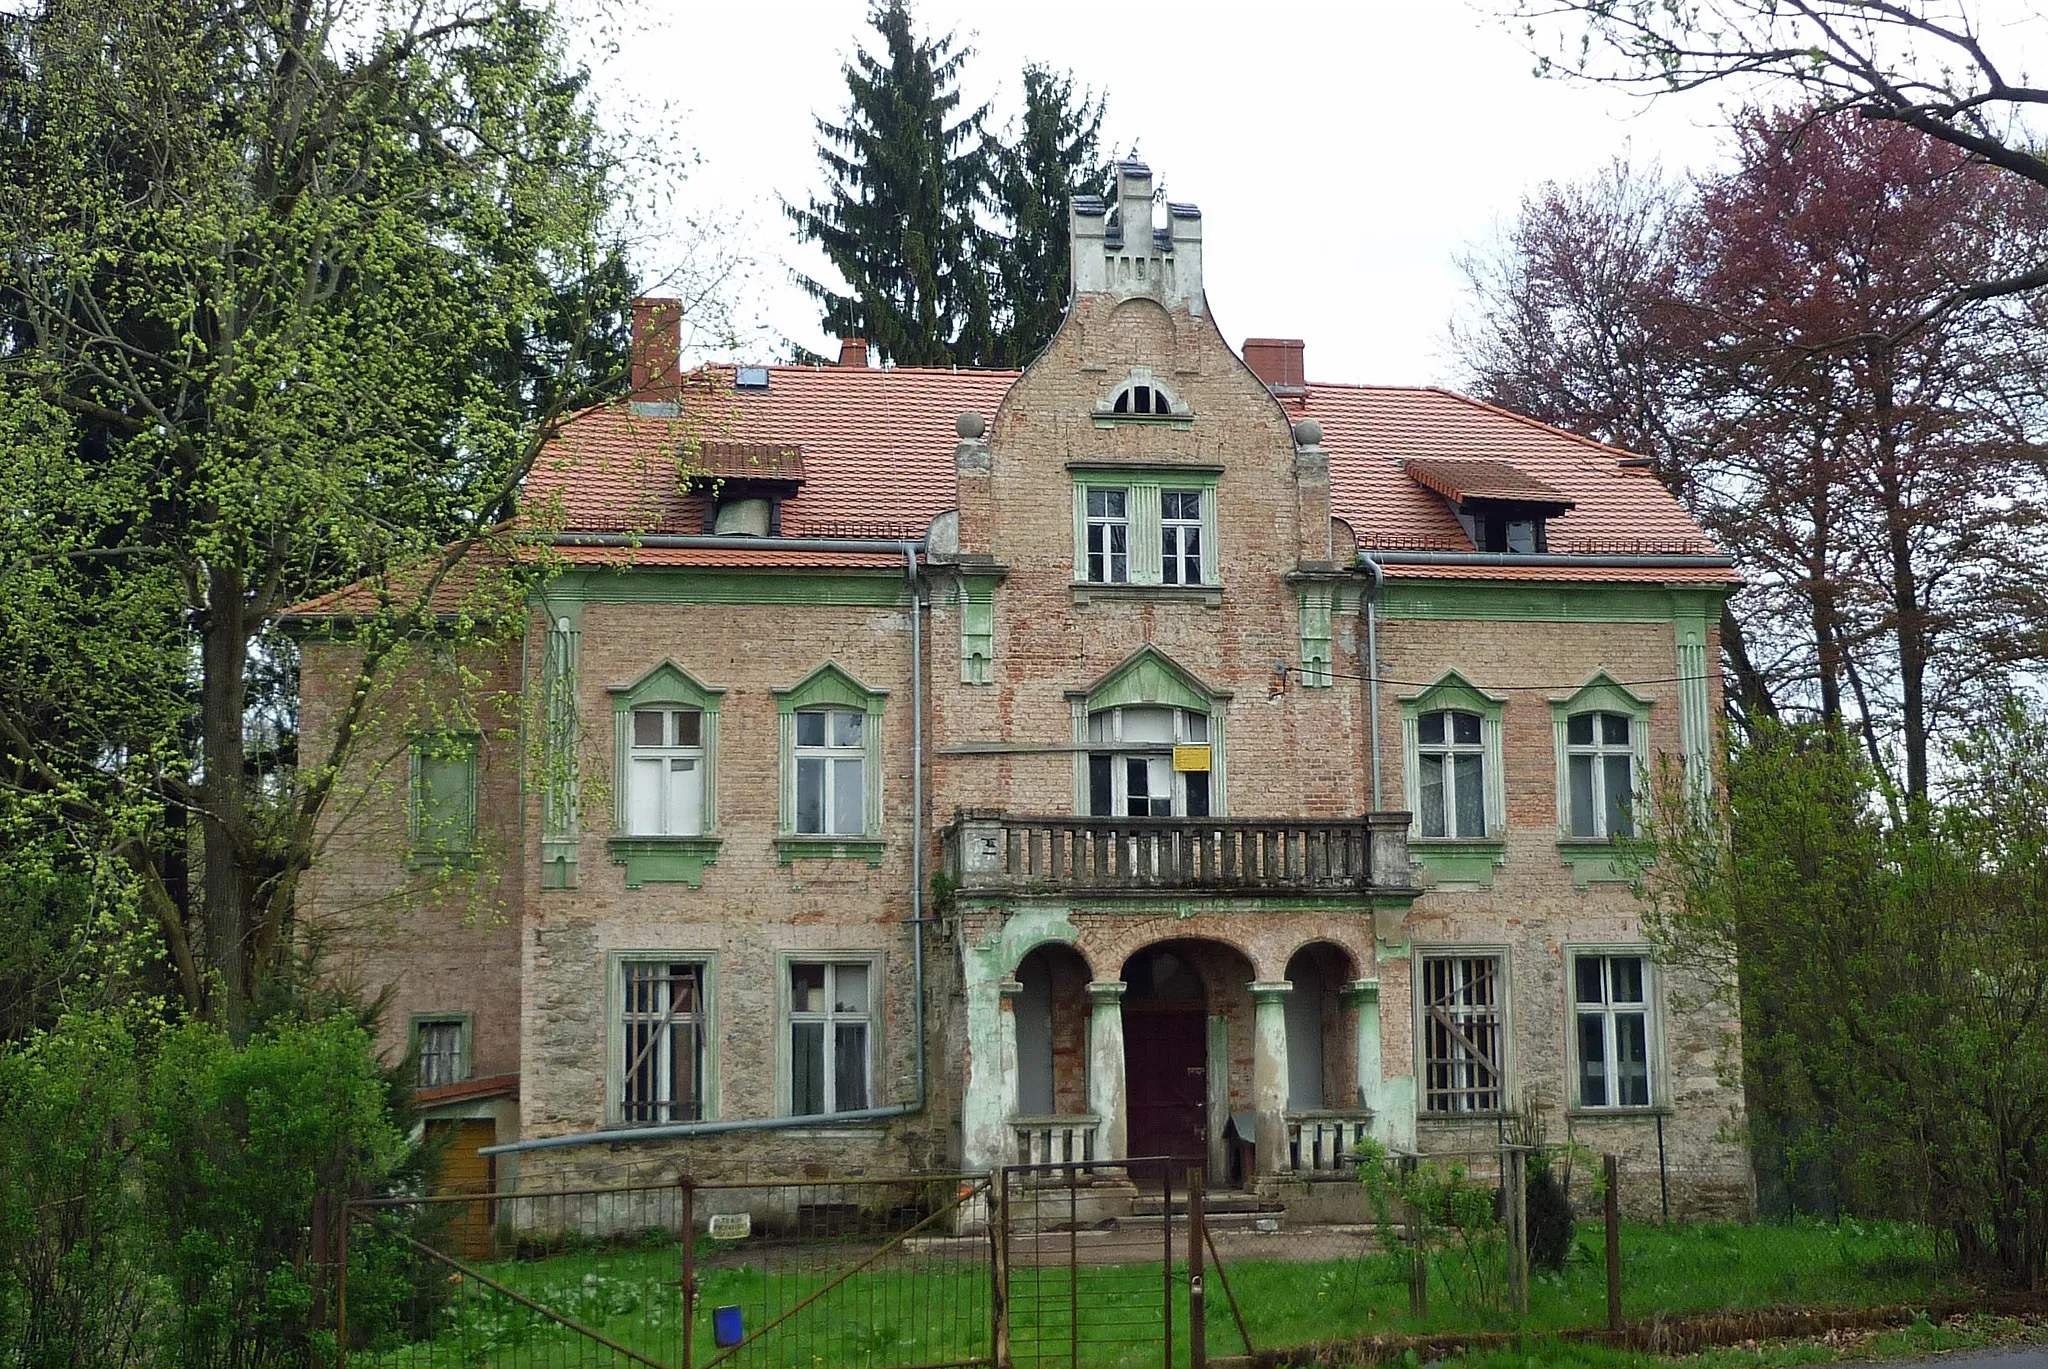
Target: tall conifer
x,y
907,174
1056,155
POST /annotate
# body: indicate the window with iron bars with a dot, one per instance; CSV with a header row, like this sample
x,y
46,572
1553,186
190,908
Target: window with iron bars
x,y
1461,1033
662,1013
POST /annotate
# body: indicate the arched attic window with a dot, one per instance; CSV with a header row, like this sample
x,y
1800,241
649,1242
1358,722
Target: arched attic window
x,y
1141,396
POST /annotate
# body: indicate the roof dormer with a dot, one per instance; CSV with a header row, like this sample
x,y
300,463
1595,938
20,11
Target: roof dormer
x,y
1501,507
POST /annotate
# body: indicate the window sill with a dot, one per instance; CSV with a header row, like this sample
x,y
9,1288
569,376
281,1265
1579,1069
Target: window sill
x,y
793,848
1458,862
1647,1114
1111,420
428,862
664,860
1595,860
1445,1119
1208,596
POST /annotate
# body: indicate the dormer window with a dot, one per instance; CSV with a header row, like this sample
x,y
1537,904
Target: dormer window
x,y
1503,509
1140,396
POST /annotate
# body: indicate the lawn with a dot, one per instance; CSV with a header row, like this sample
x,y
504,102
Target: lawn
x,y
921,1309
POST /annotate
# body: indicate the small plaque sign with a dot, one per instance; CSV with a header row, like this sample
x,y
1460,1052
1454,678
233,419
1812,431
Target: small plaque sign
x,y
1195,758
731,1226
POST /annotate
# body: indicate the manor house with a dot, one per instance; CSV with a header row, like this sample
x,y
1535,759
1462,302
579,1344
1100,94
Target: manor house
x,y
1151,753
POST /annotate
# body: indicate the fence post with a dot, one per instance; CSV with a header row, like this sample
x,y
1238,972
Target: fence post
x,y
1198,1230
1612,1172
341,1288
321,1258
1515,1173
689,1199
999,1267
1166,1273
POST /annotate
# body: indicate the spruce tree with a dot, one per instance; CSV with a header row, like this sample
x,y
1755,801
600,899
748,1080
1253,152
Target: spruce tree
x,y
908,173
1055,156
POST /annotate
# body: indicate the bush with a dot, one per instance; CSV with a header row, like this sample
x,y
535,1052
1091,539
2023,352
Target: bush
x,y
236,1144
1548,1213
74,1286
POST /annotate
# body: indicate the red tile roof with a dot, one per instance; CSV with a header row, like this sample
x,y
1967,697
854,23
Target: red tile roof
x,y
877,450
874,449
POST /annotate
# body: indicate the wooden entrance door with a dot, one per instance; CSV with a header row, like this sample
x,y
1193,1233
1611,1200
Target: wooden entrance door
x,y
1166,1088
465,1170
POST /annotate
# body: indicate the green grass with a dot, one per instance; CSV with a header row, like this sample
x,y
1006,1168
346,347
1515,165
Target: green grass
x,y
913,1310
1920,1339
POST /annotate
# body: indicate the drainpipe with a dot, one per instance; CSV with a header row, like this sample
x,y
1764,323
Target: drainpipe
x,y
1377,583
678,1130
916,803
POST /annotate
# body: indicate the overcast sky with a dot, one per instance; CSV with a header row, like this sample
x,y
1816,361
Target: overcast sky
x,y
1343,155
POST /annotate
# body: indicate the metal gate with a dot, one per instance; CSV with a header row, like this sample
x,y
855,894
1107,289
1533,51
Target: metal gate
x,y
873,1272
1091,1269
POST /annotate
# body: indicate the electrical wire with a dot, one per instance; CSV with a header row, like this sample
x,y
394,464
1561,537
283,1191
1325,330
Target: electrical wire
x,y
1334,674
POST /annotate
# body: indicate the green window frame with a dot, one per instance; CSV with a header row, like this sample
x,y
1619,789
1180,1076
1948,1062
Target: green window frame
x,y
805,1077
1145,494
1457,861
441,787
417,1042
635,1020
1593,858
829,689
665,857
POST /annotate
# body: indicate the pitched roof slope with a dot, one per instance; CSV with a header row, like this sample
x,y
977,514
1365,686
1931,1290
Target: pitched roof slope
x,y
876,461
877,450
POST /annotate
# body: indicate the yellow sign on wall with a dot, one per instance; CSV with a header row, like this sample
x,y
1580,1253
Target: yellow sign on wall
x,y
1191,758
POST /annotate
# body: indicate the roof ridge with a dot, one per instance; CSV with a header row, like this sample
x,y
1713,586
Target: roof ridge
x,y
1536,423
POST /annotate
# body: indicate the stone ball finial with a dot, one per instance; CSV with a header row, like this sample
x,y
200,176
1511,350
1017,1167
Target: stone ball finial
x,y
1308,433
970,426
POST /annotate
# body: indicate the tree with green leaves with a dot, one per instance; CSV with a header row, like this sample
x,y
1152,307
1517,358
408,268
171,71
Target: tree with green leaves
x,y
1891,974
901,220
292,295
1056,154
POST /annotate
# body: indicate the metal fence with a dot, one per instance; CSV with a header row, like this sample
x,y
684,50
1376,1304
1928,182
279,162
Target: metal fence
x,y
1131,1264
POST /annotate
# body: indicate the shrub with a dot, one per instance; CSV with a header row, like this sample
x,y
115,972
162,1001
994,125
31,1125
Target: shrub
x,y
237,1143
73,1287
1548,1213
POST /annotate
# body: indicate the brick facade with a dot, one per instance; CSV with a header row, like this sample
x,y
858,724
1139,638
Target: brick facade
x,y
1013,646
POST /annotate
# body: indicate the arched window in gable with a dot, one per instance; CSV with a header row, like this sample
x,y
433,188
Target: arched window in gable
x,y
1141,396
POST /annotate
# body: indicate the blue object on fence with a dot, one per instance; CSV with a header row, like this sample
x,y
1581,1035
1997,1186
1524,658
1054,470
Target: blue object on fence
x,y
728,1328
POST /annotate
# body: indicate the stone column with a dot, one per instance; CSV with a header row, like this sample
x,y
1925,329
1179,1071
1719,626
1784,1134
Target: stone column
x,y
1006,1061
1364,998
991,1087
1106,1068
1269,1071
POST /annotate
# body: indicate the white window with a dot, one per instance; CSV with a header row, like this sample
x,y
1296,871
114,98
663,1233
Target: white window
x,y
1611,1006
830,1037
1109,536
1601,758
1462,1033
443,1053
665,773
831,772
1180,537
1139,778
662,1026
1452,769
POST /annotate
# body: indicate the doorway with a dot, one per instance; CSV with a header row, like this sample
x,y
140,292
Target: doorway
x,y
1166,1065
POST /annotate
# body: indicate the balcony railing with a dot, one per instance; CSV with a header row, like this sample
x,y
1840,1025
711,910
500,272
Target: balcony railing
x,y
1324,1142
1008,852
1054,1140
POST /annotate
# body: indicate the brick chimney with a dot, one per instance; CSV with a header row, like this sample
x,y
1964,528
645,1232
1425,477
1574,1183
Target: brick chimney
x,y
656,349
853,352
1277,361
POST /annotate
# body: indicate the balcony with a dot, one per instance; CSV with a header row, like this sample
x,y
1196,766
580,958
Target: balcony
x,y
993,852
